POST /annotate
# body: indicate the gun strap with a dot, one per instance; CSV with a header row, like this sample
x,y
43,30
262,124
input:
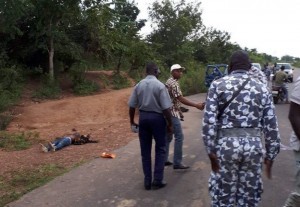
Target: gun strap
x,y
233,97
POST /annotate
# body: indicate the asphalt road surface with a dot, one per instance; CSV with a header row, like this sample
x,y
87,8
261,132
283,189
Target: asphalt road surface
x,y
119,182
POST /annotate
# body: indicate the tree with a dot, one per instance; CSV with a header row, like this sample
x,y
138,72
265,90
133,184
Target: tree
x,y
174,25
52,18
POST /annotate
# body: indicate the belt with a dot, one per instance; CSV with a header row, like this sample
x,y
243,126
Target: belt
x,y
239,132
150,112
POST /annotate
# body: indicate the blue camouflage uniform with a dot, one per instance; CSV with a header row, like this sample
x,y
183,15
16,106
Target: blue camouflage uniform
x,y
236,138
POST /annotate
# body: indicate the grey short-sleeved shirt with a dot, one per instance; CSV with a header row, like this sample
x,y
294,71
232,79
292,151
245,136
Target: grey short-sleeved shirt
x,y
150,95
295,96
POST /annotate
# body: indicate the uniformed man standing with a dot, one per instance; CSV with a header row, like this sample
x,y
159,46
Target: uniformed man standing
x,y
152,99
238,108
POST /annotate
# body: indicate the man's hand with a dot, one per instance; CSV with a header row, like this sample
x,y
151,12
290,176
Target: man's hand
x,y
215,167
200,106
170,129
268,170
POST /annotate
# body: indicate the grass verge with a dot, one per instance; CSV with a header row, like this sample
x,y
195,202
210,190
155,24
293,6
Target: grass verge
x,y
21,182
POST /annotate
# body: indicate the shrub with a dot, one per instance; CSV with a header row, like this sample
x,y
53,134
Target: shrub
x,y
49,88
4,121
11,82
120,81
82,86
85,87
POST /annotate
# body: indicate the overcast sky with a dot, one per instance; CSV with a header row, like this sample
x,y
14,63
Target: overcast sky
x,y
270,26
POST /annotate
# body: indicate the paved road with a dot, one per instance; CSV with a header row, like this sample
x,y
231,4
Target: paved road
x,y
119,182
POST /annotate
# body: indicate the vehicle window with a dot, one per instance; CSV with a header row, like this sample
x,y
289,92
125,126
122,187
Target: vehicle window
x,y
286,65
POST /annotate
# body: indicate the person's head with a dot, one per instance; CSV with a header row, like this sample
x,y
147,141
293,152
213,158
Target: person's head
x,y
239,60
152,69
176,71
282,67
75,136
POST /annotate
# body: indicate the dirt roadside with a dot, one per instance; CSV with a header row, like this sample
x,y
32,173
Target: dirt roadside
x,y
104,116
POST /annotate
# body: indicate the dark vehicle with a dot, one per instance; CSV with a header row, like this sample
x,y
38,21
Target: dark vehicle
x,y
277,93
214,72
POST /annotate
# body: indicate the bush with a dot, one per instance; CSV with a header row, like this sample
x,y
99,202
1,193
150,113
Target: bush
x,y
4,121
49,88
120,81
86,87
82,86
11,82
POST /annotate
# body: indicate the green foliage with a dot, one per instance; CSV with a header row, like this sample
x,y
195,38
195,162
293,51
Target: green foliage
x,y
120,81
86,87
49,88
104,80
25,181
296,64
11,81
175,25
17,141
192,81
5,119
106,35
82,86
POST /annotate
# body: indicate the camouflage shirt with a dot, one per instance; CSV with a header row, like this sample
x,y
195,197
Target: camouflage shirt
x,y
258,74
252,108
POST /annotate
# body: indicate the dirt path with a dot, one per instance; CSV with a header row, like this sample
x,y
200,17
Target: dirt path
x,y
104,116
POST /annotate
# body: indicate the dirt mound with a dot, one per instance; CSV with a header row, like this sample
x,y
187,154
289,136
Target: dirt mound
x,y
104,116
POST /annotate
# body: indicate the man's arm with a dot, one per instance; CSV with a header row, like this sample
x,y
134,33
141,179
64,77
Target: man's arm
x,y
294,117
168,115
131,115
190,103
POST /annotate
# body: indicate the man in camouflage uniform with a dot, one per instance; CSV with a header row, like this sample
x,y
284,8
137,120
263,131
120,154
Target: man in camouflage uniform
x,y
257,73
233,138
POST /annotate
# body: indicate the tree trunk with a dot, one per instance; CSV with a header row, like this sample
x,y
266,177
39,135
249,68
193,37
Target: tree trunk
x,y
119,63
51,55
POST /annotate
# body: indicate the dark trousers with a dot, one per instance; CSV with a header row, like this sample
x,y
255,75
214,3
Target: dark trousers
x,y
152,125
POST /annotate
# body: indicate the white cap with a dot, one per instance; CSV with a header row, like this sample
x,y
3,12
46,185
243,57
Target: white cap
x,y
176,66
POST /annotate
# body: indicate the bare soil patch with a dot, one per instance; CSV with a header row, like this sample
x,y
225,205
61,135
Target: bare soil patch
x,y
104,116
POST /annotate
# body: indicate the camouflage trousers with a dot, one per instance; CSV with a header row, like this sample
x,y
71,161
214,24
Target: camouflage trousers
x,y
294,198
239,182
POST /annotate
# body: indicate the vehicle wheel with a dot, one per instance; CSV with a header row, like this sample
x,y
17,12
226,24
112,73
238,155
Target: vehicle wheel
x,y
275,100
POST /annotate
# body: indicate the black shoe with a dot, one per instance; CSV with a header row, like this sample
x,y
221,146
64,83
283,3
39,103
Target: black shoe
x,y
181,167
147,185
168,163
158,184
183,109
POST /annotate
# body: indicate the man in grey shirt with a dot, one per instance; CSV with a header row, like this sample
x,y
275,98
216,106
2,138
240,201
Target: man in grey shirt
x,y
152,99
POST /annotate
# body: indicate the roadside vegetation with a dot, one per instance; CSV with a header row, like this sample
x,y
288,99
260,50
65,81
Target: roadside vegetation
x,y
24,181
53,43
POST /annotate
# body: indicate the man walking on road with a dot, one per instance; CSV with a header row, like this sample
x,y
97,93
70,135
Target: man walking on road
x,y
238,108
294,117
151,97
177,98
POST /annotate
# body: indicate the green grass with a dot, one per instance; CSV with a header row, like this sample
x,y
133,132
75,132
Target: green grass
x,y
26,180
17,141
